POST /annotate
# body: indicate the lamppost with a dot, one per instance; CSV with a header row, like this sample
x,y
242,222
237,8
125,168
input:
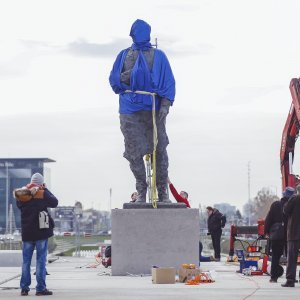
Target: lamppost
x,y
60,216
7,194
77,216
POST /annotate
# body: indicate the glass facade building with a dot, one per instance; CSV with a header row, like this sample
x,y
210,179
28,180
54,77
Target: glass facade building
x,y
15,173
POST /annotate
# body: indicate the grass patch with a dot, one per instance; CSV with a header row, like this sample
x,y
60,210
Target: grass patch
x,y
84,240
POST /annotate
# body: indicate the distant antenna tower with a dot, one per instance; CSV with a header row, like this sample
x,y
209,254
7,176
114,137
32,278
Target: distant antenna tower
x,y
11,228
249,181
110,196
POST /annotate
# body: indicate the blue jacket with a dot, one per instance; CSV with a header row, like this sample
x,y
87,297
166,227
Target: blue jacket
x,y
30,217
159,80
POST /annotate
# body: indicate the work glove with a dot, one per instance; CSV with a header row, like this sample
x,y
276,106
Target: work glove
x,y
164,109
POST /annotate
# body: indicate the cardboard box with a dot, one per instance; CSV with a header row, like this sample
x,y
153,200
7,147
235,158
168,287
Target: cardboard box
x,y
187,274
163,275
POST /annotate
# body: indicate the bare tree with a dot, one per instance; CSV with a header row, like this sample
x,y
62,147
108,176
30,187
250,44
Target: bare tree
x,y
260,205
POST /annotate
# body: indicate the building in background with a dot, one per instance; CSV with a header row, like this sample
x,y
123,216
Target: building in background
x,y
90,221
15,173
63,217
229,211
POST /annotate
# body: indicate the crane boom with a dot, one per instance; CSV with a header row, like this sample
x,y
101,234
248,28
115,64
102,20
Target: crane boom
x,y
289,137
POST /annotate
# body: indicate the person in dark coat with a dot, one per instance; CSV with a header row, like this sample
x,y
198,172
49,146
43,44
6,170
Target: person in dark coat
x,y
292,211
215,222
275,215
33,201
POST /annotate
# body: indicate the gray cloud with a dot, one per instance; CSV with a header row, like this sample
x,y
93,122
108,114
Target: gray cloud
x,y
32,44
18,65
82,47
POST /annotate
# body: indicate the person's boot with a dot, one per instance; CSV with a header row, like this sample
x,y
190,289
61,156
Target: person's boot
x,y
289,283
24,293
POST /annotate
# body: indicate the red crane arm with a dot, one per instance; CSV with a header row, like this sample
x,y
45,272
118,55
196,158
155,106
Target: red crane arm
x,y
289,137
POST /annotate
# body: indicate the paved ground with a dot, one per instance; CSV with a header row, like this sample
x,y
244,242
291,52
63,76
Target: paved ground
x,y
69,281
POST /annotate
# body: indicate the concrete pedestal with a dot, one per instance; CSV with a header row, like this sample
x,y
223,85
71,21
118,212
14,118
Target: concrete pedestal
x,y
142,238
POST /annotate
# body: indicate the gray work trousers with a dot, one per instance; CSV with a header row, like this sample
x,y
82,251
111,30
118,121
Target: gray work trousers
x,y
137,130
292,256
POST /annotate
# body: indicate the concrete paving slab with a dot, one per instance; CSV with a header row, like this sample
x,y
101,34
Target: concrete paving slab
x,y
69,281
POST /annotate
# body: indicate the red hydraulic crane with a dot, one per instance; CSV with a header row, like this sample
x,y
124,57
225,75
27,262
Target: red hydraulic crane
x,y
289,136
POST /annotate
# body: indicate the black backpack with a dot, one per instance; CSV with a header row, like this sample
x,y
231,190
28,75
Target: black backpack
x,y
107,252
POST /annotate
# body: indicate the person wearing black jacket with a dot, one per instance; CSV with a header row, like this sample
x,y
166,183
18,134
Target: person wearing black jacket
x,y
292,210
215,222
275,215
33,201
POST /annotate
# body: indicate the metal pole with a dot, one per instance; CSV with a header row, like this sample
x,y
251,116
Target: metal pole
x,y
7,186
110,195
77,237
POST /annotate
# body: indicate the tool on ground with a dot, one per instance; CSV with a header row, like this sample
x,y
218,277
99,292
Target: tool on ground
x,y
203,277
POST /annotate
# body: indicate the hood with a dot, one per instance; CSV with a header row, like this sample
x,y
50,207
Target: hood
x,y
140,33
288,192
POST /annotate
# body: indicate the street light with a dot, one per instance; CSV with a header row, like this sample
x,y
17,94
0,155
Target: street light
x,y
77,214
7,187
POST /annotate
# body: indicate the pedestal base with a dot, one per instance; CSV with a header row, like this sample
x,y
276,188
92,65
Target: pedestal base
x,y
142,238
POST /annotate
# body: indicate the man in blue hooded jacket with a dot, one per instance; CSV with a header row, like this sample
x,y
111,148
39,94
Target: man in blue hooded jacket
x,y
144,68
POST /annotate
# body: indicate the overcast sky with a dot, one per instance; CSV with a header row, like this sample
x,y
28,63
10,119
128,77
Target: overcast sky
x,y
232,60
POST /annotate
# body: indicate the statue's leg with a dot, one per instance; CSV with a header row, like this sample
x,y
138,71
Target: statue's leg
x,y
137,167
162,164
162,161
133,129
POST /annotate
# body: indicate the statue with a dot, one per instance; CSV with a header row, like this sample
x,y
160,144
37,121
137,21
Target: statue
x,y
142,76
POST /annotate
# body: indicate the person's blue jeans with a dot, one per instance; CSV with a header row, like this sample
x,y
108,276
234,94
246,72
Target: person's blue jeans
x,y
41,257
205,258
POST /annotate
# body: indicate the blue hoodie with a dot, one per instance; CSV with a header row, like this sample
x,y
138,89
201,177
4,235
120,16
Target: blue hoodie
x,y
159,80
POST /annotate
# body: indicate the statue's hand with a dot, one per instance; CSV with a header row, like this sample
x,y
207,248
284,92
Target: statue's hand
x,y
164,109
